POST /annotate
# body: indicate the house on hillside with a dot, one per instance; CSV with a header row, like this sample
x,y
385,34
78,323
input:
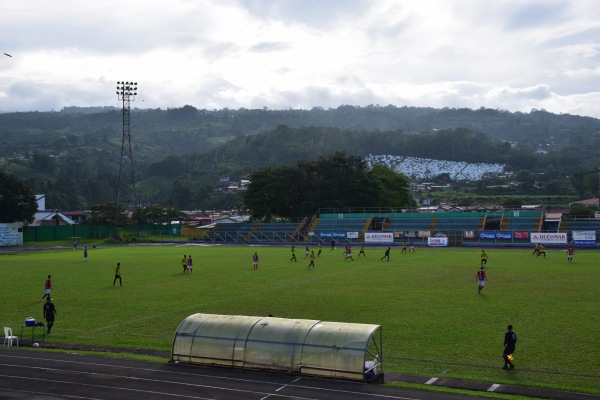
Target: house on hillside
x,y
593,202
78,216
44,217
51,218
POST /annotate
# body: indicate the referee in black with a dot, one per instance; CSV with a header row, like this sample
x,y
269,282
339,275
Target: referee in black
x,y
510,340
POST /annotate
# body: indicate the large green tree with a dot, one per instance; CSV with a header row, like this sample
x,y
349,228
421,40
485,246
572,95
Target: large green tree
x,y
338,181
17,201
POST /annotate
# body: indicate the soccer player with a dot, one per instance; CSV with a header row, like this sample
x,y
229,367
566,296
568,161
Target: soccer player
x,y
362,250
307,251
184,263
332,244
403,247
570,253
411,246
47,288
510,341
190,264
346,246
536,249
85,253
349,253
293,254
312,260
481,278
255,260
541,251
118,275
484,258
387,254
320,247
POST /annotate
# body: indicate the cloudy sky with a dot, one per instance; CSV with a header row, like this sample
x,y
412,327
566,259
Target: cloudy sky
x,y
508,54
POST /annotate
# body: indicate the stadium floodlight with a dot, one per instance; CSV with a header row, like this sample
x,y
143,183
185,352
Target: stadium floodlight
x,y
126,92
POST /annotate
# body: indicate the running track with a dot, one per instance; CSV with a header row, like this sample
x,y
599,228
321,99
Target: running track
x,y
35,375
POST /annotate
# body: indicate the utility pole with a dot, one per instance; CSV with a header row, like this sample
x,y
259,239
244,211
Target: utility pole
x,y
126,193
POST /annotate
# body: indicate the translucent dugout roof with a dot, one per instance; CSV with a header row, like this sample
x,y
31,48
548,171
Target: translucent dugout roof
x,y
333,349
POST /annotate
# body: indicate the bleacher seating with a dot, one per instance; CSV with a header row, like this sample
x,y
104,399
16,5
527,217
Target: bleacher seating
x,y
583,225
273,231
411,222
231,232
527,221
459,221
335,223
451,223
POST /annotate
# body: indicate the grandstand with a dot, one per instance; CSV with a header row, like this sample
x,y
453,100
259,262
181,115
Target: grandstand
x,y
459,226
527,221
581,224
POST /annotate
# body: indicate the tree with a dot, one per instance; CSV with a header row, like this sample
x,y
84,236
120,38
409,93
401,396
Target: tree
x,y
581,210
157,214
338,181
17,201
106,214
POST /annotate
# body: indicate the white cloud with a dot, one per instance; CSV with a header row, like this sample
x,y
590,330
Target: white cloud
x,y
508,54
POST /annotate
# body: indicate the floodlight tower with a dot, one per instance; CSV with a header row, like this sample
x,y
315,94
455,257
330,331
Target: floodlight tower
x,y
126,91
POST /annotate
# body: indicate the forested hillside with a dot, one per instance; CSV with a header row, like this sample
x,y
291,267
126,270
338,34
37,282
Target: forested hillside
x,y
180,154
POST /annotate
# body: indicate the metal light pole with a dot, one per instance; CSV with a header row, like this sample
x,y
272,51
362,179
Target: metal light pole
x,y
126,92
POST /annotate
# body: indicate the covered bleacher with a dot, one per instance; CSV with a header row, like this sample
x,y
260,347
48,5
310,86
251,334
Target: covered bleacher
x,y
461,227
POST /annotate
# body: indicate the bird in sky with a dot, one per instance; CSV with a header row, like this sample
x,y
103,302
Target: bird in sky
x,y
6,54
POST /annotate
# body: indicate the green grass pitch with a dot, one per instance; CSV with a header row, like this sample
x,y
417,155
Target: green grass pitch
x,y
433,320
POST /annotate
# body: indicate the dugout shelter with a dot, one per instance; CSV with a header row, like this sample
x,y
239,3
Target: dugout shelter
x,y
298,346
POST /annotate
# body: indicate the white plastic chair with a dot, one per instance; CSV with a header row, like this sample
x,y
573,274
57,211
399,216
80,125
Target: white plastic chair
x,y
8,336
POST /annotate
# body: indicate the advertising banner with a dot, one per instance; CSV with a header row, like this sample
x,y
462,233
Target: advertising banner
x,y
352,235
495,235
437,241
405,234
584,238
11,234
521,235
332,235
379,237
469,234
552,237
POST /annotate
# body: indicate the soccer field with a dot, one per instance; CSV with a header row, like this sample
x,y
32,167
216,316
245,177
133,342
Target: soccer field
x,y
433,320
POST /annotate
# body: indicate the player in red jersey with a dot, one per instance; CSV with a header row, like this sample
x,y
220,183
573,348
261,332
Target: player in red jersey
x,y
47,288
481,278
255,260
570,253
